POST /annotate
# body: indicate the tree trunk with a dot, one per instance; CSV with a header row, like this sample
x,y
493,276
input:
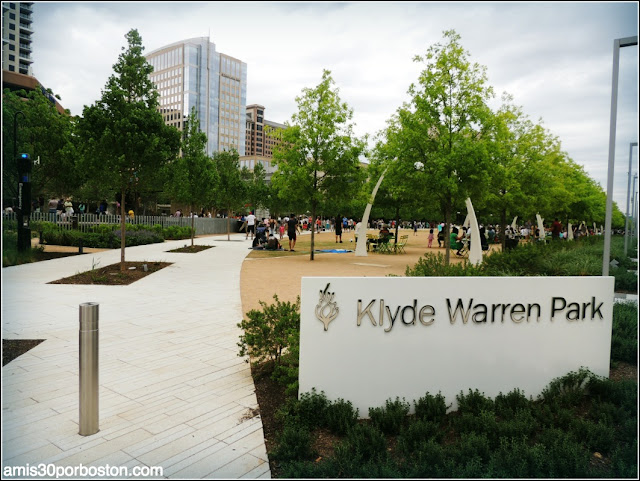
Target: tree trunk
x,y
313,219
447,232
122,232
503,229
228,226
397,222
193,230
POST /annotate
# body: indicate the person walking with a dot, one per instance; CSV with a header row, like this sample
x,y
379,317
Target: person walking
x,y
251,225
339,226
430,238
292,228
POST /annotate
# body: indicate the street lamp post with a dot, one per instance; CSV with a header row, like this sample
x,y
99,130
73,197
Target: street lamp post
x,y
617,44
626,221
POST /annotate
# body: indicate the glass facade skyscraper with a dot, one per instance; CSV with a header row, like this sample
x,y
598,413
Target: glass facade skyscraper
x,y
190,74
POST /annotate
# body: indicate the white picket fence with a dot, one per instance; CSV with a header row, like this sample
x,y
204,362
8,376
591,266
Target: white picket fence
x,y
84,222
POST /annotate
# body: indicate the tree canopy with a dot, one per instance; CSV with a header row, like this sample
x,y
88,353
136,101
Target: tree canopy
x,y
124,138
318,160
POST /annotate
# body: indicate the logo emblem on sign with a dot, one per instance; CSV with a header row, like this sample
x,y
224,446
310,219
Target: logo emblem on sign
x,y
326,310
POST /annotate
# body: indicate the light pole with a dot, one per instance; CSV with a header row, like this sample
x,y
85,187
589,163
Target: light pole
x,y
626,221
617,44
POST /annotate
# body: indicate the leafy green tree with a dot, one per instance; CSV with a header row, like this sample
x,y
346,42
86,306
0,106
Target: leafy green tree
x,y
439,134
257,190
517,149
124,138
230,191
43,133
192,176
317,163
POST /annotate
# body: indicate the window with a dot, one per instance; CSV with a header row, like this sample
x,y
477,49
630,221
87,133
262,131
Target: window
x,y
12,47
12,58
12,68
12,36
12,16
12,26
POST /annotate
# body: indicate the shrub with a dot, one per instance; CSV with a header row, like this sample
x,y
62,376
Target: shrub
x,y
390,418
431,408
506,405
474,402
522,423
309,411
287,371
341,416
176,232
267,332
294,444
418,432
624,337
364,442
625,280
435,266
567,390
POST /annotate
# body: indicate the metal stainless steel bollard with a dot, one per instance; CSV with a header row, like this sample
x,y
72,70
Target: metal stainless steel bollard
x,y
89,369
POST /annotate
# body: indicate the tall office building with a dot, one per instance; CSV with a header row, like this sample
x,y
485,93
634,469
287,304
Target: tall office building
x,y
17,29
190,73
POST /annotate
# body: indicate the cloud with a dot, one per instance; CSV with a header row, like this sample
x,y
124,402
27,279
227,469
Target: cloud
x,y
554,58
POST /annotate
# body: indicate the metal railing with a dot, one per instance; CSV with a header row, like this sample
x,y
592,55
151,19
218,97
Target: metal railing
x,y
84,222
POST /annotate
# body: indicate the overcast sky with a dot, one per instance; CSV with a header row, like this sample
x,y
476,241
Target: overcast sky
x,y
554,58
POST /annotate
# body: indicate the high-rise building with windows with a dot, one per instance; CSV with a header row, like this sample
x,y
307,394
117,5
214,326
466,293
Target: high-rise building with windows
x,y
17,29
190,73
259,145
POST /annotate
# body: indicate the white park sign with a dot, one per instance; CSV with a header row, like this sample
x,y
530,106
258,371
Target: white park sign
x,y
369,339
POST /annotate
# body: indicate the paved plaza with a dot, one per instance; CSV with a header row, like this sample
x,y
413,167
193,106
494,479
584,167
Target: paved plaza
x,y
173,391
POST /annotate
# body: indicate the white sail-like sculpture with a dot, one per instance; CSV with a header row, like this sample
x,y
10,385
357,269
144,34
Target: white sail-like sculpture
x,y
475,252
543,236
361,245
569,232
514,226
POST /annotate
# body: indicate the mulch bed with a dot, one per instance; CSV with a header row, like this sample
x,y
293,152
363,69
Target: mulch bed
x,y
113,275
12,348
191,249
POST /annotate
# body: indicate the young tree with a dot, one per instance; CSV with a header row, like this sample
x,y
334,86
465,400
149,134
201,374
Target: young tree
x,y
318,160
230,190
441,129
257,190
191,176
124,138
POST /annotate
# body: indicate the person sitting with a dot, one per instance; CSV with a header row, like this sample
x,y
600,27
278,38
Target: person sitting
x,y
383,237
260,240
273,244
455,240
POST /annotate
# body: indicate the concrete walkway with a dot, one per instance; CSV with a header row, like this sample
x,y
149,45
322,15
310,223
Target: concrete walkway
x,y
173,391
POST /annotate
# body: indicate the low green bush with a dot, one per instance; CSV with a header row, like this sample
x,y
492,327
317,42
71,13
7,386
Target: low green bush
x,y
418,432
431,408
507,405
341,416
294,444
364,442
309,411
266,332
624,336
474,402
392,417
